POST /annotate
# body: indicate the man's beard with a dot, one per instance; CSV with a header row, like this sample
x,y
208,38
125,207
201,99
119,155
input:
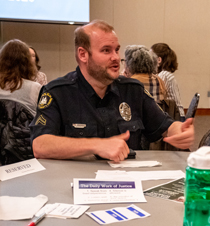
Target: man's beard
x,y
99,73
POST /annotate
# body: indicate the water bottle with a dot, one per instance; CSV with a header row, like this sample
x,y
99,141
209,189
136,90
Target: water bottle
x,y
197,188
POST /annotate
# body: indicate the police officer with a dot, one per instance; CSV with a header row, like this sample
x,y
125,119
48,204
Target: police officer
x,y
94,111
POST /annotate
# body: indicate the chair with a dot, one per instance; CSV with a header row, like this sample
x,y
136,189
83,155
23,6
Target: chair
x,y
14,132
171,108
205,141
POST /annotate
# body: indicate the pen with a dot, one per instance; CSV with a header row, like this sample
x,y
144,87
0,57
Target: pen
x,y
37,219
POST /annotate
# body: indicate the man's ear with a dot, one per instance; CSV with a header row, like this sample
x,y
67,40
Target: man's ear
x,y
82,54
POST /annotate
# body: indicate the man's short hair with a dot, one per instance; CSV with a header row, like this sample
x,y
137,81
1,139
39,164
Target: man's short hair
x,y
82,38
139,60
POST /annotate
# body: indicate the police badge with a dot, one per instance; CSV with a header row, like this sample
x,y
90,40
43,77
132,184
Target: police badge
x,y
125,111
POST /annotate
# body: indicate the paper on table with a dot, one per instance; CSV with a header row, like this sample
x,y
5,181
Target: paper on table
x,y
91,191
127,163
20,208
173,190
118,214
63,210
141,175
20,169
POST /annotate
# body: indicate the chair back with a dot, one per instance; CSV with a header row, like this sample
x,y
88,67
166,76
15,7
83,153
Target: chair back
x,y
205,141
171,108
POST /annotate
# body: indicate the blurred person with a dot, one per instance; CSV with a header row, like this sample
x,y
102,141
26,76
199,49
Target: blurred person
x,y
140,64
41,77
167,65
17,74
18,100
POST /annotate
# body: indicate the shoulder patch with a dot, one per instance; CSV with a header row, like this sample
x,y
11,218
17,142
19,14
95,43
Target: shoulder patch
x,y
148,93
45,101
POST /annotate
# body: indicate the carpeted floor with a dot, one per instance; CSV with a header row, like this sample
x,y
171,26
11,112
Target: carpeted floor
x,y
202,125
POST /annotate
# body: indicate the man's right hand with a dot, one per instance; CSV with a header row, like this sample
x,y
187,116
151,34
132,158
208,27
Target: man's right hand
x,y
114,148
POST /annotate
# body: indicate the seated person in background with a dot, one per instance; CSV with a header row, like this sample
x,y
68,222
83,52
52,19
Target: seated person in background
x,y
94,111
17,74
41,77
140,65
167,65
18,101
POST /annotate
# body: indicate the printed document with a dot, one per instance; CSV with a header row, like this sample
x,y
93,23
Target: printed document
x,y
91,191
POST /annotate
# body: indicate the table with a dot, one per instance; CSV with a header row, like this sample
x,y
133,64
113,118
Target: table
x,y
55,183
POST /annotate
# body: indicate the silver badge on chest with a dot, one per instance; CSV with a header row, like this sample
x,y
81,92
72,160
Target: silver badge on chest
x,y
125,111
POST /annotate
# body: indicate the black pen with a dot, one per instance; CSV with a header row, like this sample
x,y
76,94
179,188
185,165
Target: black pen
x,y
37,219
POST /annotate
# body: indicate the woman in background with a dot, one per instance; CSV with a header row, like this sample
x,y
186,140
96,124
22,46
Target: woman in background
x,y
167,65
140,64
41,77
17,75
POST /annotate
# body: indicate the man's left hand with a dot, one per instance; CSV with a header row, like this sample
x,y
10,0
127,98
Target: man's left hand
x,y
181,135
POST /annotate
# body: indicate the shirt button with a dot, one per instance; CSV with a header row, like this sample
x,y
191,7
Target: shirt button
x,y
108,128
81,133
103,111
134,127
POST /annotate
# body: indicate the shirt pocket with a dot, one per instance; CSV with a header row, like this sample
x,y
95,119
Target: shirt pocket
x,y
81,130
135,127
132,126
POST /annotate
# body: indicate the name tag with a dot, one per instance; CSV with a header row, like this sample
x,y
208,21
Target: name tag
x,y
79,126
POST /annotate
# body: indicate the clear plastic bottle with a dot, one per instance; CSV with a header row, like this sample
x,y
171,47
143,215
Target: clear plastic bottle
x,y
197,189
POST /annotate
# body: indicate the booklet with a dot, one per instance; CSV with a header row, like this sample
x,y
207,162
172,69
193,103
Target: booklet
x,y
91,191
173,190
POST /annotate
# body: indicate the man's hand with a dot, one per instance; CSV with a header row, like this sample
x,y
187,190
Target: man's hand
x,y
181,135
114,148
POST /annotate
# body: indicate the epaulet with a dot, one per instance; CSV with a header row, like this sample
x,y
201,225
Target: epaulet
x,y
125,80
68,79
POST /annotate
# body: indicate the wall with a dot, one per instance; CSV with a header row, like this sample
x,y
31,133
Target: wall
x,y
184,25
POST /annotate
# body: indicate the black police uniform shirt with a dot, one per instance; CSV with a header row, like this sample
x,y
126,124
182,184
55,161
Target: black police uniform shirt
x,y
69,106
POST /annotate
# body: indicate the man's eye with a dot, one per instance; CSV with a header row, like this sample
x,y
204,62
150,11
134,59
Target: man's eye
x,y
106,50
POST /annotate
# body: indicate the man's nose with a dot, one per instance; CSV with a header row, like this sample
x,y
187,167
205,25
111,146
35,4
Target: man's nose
x,y
115,56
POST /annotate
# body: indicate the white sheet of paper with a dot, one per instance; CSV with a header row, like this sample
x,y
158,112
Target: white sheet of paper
x,y
141,175
20,169
118,214
127,163
63,210
20,208
90,191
